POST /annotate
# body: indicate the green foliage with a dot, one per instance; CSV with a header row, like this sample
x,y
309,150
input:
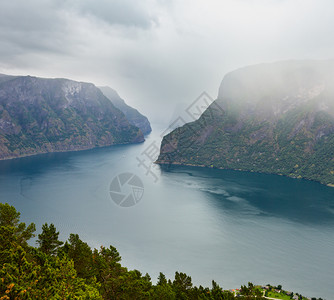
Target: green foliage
x,y
182,285
29,273
13,232
162,280
54,120
81,254
10,218
163,289
248,291
300,144
54,278
75,271
108,271
48,239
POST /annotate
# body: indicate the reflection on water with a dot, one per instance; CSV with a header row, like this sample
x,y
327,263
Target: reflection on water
x,y
299,200
230,226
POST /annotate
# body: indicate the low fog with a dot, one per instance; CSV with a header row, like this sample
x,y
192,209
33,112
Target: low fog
x,y
159,55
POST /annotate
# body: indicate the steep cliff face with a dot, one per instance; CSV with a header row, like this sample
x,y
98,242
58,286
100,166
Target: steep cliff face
x,y
45,115
274,118
134,116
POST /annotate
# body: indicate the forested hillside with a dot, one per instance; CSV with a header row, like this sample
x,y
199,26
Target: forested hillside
x,y
273,118
40,115
72,270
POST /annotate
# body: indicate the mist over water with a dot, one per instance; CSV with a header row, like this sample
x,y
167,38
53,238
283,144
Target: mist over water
x,y
229,226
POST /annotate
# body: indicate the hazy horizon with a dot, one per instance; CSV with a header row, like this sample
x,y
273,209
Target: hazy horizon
x,y
157,54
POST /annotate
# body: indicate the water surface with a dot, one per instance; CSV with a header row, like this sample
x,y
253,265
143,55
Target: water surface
x,y
230,226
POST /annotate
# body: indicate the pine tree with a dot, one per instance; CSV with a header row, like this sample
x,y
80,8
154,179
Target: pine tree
x,y
81,254
13,233
48,239
162,279
182,285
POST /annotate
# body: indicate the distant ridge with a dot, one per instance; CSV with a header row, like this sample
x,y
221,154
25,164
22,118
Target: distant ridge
x,y
274,118
133,115
40,115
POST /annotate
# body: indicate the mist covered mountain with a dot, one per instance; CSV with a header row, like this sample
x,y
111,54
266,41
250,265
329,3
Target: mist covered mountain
x,y
40,115
274,118
134,116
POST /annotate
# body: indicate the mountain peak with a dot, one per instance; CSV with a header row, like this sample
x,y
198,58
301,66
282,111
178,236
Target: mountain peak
x,y
133,115
275,118
39,115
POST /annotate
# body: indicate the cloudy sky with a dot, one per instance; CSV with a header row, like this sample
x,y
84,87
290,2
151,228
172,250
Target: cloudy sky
x,y
158,53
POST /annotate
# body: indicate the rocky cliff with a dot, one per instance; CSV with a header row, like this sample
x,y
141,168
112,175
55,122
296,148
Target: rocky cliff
x,y
274,118
40,115
134,116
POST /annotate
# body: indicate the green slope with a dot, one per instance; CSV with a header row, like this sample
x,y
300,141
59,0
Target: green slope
x,y
285,127
45,115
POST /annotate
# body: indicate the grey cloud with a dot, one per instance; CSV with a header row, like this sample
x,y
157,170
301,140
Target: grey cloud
x,y
126,13
32,26
157,53
48,26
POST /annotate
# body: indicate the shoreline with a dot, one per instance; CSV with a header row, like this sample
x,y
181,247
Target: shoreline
x,y
68,151
240,170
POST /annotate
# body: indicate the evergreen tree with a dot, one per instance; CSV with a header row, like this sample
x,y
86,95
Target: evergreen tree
x,y
108,271
182,285
48,239
13,233
163,289
251,292
10,218
132,285
216,291
77,272
161,279
81,254
45,277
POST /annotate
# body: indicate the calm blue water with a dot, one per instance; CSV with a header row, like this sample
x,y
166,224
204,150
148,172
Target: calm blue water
x,y
230,226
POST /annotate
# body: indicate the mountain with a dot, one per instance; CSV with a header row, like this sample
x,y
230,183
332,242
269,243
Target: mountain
x,y
134,116
40,115
273,118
